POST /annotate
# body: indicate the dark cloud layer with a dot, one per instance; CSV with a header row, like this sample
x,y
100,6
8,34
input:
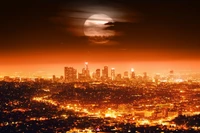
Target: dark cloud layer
x,y
56,25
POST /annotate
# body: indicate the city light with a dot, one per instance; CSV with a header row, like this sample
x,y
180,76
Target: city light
x,y
100,66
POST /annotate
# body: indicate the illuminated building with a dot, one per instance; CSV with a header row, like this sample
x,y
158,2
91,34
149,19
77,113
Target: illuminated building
x,y
7,79
118,77
81,77
113,73
86,65
98,72
87,69
126,75
83,71
87,72
145,76
105,72
93,75
62,78
157,78
132,73
70,74
54,78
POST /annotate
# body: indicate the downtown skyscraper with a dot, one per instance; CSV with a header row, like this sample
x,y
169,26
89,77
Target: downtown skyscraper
x,y
105,72
70,74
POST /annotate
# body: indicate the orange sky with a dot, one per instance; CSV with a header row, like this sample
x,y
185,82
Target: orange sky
x,y
49,35
123,60
50,64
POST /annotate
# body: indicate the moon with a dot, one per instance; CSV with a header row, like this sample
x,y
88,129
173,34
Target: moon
x,y
95,28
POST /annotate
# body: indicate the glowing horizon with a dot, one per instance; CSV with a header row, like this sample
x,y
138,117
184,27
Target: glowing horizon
x,y
120,67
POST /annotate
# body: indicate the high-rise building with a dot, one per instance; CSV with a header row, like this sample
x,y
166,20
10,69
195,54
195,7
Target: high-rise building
x,y
157,78
126,75
81,77
105,72
132,73
70,74
118,77
84,72
61,77
98,74
54,78
87,72
85,75
113,73
86,66
94,75
145,77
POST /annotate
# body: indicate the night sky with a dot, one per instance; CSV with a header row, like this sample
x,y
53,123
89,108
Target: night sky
x,y
51,31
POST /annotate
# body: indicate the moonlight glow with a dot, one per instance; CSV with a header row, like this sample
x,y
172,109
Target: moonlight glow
x,y
95,28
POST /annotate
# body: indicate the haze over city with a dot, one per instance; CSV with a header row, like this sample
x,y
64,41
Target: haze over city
x,y
35,34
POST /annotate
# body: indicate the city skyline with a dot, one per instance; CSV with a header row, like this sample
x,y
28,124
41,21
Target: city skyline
x,y
52,69
47,70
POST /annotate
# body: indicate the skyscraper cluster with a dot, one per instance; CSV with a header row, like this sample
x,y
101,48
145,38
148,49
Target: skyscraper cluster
x,y
72,75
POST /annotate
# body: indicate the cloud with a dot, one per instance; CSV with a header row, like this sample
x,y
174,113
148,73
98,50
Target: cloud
x,y
73,14
121,27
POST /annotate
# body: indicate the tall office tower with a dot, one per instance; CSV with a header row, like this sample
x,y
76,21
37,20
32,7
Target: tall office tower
x,y
86,66
132,73
157,78
113,73
81,77
145,77
70,74
118,77
105,72
83,72
126,75
54,78
94,75
98,74
87,72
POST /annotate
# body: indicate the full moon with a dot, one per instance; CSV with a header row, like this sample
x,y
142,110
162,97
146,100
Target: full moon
x,y
95,28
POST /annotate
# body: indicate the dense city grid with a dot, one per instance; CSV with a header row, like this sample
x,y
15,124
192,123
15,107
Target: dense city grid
x,y
101,102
